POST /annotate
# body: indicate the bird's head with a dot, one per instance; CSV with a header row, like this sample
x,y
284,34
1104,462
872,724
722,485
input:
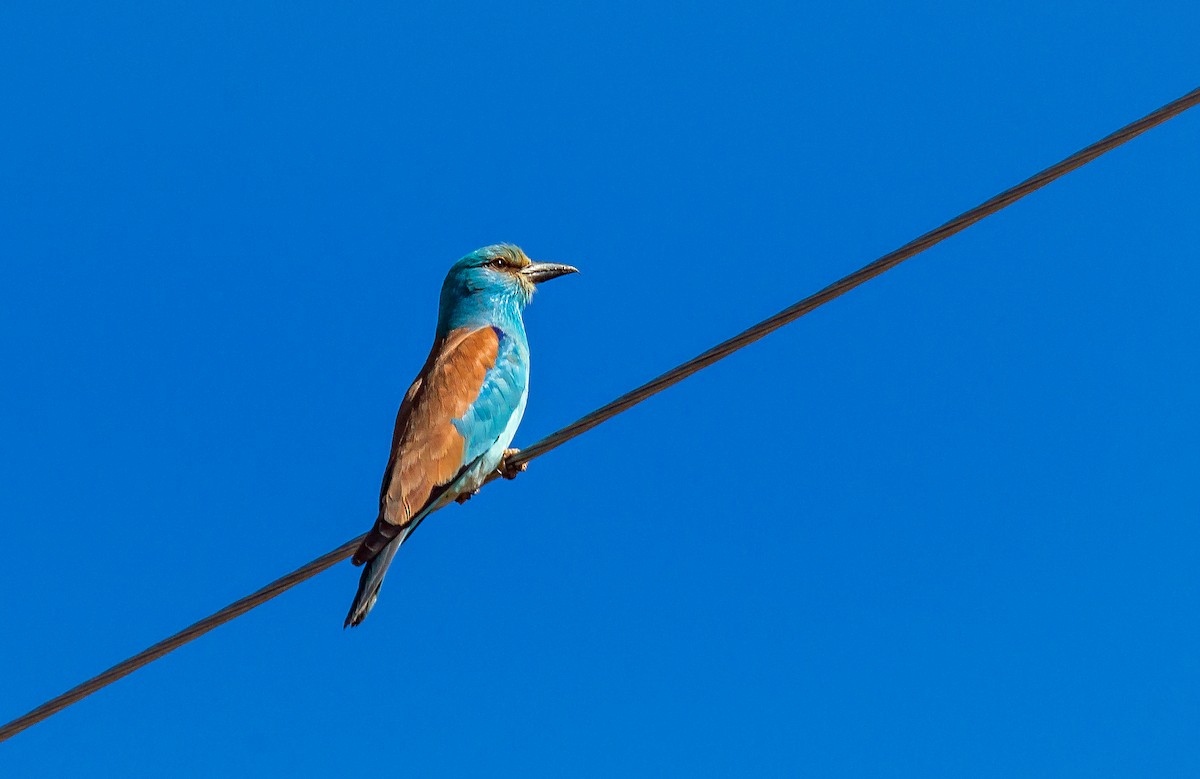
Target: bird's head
x,y
497,276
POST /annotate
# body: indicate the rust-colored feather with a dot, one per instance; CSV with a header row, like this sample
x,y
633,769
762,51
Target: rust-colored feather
x,y
427,449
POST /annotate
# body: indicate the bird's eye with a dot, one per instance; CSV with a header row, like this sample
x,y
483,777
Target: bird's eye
x,y
497,263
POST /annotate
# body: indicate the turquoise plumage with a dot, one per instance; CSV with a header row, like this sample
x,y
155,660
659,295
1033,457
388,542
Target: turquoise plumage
x,y
462,411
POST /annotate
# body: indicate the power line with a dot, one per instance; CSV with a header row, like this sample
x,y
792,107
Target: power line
x,y
629,399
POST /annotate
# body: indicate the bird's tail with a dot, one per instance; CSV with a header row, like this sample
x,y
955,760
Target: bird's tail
x,y
372,578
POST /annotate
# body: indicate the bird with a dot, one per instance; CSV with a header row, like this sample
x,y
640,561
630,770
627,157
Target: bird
x,y
458,418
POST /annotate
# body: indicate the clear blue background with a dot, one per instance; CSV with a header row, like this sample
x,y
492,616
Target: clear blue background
x,y
946,526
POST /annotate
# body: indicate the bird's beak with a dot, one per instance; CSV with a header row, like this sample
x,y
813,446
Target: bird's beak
x,y
537,272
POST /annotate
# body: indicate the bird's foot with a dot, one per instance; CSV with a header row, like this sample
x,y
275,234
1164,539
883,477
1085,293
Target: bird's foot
x,y
461,499
508,470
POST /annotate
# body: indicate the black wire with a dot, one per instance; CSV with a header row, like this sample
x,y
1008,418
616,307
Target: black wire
x,y
627,401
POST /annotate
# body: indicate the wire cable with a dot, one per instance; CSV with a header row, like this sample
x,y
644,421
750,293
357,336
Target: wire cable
x,y
628,400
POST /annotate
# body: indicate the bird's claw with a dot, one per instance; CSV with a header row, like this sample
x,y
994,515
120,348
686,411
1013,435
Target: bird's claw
x,y
508,470
505,469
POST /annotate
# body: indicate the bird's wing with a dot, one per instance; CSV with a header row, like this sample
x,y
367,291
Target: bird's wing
x,y
500,400
460,404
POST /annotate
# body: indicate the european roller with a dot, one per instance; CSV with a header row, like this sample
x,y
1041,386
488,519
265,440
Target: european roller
x,y
461,413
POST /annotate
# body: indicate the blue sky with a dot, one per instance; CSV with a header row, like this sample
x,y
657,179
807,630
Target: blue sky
x,y
944,526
